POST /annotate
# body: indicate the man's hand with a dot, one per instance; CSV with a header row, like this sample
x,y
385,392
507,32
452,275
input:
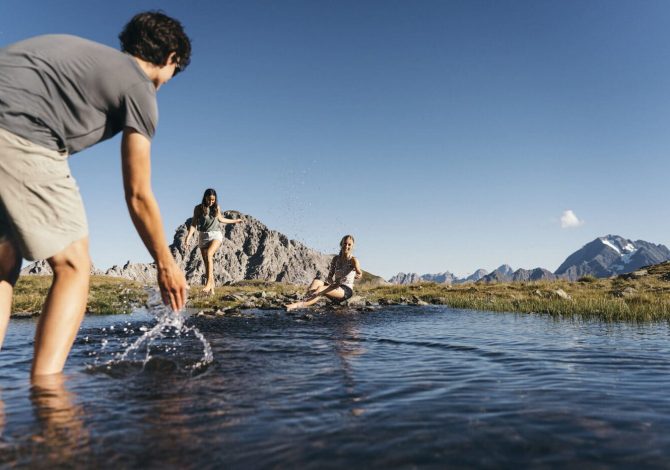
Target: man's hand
x,y
173,286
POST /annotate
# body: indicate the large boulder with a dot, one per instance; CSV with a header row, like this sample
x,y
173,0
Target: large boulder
x,y
250,250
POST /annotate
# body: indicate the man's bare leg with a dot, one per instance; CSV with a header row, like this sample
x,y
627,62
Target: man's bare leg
x,y
10,265
63,309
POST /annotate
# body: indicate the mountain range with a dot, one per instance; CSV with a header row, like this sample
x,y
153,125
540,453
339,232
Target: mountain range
x,y
253,251
605,256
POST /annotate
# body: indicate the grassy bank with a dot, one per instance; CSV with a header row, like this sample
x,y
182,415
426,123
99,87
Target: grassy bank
x,y
107,295
641,296
638,297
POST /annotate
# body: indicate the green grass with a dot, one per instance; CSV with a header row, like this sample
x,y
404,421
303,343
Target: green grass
x,y
107,295
638,300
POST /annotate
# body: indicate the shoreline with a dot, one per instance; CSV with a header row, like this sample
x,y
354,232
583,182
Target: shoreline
x,y
641,296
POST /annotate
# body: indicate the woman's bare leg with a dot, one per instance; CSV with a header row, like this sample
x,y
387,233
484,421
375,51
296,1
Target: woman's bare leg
x,y
63,309
205,260
328,291
10,265
209,253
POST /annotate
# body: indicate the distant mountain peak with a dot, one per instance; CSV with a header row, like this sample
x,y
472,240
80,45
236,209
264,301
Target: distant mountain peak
x,y
618,244
605,256
611,255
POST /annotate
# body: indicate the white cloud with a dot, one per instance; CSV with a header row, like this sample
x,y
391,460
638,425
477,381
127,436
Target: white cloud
x,y
570,220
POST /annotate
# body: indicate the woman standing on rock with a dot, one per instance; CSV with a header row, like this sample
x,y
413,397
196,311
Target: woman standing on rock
x,y
206,219
339,284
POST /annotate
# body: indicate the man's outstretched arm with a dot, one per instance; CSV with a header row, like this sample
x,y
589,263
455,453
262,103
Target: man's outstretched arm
x,y
144,211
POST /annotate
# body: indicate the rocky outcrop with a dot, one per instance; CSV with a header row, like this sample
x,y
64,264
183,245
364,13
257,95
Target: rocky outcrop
x,y
140,272
250,250
405,278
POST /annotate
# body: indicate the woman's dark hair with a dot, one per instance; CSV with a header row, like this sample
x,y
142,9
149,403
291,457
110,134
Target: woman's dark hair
x,y
152,36
214,208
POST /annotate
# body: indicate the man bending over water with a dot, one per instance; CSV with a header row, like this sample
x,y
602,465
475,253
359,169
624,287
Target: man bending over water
x,y
60,94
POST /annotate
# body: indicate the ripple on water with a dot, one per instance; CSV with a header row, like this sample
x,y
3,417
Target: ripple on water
x,y
398,387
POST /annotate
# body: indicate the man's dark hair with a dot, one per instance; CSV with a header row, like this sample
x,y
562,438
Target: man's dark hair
x,y
152,36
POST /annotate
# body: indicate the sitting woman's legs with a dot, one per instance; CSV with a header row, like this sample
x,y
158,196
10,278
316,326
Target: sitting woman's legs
x,y
332,292
314,286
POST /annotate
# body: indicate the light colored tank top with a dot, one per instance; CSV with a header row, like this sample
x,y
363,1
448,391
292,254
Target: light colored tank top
x,y
344,270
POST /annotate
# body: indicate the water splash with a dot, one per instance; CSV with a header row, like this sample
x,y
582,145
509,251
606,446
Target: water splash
x,y
166,336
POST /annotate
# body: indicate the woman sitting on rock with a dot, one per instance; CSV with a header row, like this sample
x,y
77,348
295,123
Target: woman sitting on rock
x,y
207,218
339,284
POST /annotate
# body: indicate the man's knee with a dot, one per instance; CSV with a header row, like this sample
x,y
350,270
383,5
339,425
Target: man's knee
x,y
74,259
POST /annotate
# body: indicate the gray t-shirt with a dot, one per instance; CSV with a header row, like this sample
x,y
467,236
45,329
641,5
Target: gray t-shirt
x,y
68,93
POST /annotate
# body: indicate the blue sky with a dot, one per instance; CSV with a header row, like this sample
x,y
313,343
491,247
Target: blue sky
x,y
445,135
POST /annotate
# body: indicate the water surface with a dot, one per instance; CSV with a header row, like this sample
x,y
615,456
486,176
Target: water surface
x,y
405,387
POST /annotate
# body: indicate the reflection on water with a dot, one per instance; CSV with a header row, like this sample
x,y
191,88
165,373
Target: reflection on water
x,y
61,428
348,346
401,387
56,435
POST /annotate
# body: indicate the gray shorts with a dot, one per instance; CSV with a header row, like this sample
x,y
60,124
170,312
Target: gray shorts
x,y
40,204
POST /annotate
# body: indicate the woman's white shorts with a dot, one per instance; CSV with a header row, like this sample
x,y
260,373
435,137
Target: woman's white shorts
x,y
208,237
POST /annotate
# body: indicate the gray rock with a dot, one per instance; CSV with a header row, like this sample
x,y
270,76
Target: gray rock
x,y
355,301
627,292
140,272
251,250
562,294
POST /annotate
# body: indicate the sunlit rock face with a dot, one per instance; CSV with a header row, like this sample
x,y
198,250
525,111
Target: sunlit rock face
x,y
251,250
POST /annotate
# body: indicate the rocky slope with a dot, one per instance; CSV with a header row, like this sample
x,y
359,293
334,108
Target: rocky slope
x,y
251,250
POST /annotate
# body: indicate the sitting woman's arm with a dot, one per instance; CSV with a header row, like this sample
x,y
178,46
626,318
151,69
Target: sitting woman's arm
x,y
357,268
